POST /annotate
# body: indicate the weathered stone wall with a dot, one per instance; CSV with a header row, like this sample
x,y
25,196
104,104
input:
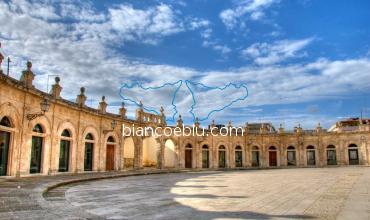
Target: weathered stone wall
x,y
17,101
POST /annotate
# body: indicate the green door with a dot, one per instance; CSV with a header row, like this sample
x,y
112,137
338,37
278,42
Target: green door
x,y
36,152
89,156
221,159
238,158
64,156
332,159
205,159
255,159
4,150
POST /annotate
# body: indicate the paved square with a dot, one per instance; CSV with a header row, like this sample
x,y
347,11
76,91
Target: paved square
x,y
325,193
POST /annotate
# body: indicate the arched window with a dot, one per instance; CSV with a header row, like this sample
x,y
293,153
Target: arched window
x,y
111,139
188,156
89,152
5,122
311,155
353,155
331,157
4,145
36,149
291,156
64,152
238,156
37,129
272,156
89,137
205,156
66,133
222,156
255,156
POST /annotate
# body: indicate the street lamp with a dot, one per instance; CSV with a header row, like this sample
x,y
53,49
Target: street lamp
x,y
113,126
44,106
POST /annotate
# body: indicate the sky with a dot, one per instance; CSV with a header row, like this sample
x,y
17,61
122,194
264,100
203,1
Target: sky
x,y
303,62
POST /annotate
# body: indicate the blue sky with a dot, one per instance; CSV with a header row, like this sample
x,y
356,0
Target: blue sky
x,y
302,61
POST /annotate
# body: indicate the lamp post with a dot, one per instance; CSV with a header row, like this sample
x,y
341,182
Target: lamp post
x,y
44,106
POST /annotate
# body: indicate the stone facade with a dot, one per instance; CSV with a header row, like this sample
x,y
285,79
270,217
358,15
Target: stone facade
x,y
66,129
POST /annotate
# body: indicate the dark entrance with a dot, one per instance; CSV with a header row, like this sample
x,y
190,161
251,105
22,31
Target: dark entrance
x,y
238,156
205,157
272,157
188,156
89,150
222,157
36,150
109,165
353,155
291,158
311,159
331,155
4,146
65,145
255,157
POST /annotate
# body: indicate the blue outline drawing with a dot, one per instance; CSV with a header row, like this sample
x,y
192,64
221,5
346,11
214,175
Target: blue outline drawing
x,y
187,83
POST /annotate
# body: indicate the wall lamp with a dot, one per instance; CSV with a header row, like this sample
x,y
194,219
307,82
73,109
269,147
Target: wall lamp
x,y
44,106
113,126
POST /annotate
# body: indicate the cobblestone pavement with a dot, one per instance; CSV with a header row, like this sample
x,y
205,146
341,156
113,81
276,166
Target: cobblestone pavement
x,y
300,193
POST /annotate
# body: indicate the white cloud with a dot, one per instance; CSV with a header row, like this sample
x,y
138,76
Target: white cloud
x,y
253,8
80,53
266,54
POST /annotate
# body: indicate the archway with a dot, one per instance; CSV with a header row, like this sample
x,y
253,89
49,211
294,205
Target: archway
x,y
169,154
222,156
89,152
205,156
129,152
36,149
238,156
188,156
311,156
353,157
331,156
291,156
5,135
110,154
149,152
272,156
64,153
255,156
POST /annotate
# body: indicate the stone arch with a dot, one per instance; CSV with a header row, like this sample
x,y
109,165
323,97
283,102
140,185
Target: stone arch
x,y
222,155
45,124
111,149
14,150
70,127
129,152
170,155
90,129
150,150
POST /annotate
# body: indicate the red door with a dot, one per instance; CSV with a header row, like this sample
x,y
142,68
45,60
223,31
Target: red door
x,y
110,158
188,159
272,158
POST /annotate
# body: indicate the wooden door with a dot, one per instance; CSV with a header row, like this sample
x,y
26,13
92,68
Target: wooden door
x,y
110,158
188,159
272,158
222,159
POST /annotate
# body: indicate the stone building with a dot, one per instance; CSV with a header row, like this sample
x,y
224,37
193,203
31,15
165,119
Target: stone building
x,y
44,134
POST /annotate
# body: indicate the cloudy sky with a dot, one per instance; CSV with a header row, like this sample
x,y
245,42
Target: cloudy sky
x,y
302,61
